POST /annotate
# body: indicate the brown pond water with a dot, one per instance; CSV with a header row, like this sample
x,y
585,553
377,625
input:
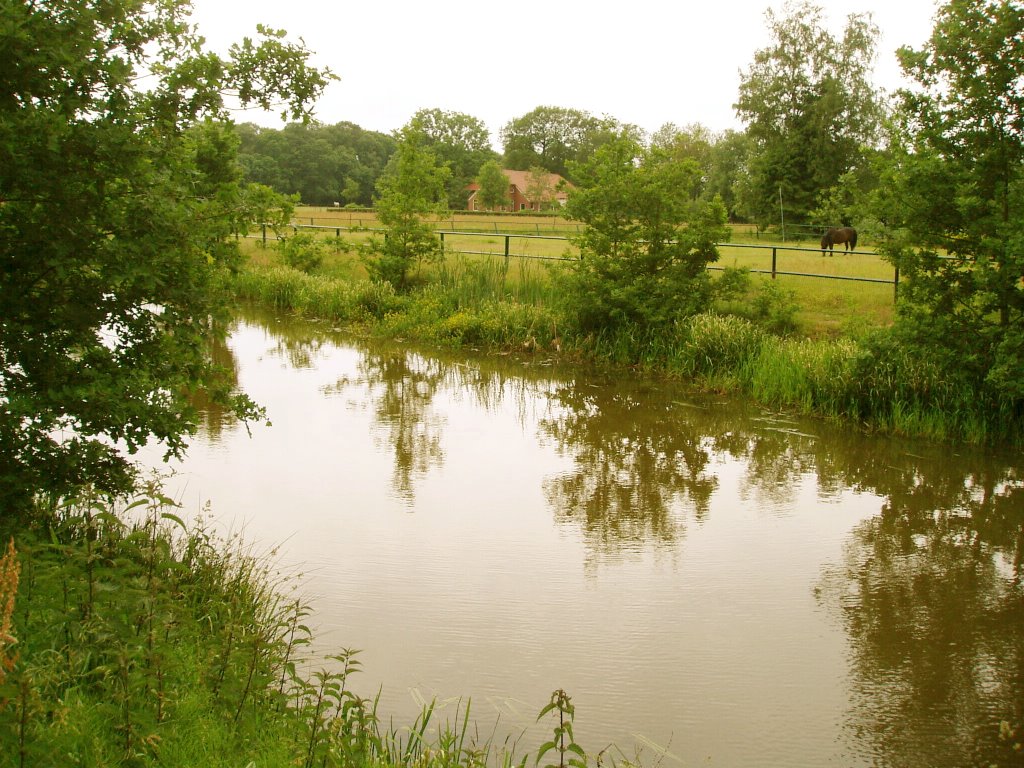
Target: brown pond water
x,y
704,577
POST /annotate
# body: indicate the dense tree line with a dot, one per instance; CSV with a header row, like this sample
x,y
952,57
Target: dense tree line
x,y
322,164
343,163
812,132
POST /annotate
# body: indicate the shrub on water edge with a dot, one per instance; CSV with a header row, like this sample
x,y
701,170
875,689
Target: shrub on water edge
x,y
889,371
905,389
303,251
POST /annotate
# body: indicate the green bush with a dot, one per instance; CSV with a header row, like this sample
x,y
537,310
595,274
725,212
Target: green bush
x,y
303,251
775,308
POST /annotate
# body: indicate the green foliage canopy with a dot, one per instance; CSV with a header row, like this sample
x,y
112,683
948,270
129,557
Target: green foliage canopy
x,y
322,164
459,141
555,137
413,185
119,199
646,247
494,186
809,108
955,187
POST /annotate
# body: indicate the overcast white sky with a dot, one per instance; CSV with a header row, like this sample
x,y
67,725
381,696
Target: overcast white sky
x,y
646,62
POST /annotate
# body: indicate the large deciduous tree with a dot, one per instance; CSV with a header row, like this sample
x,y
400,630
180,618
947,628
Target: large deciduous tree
x,y
809,107
721,157
555,137
119,202
460,141
645,250
693,142
953,196
727,176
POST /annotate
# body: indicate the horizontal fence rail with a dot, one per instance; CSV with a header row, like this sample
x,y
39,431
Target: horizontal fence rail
x,y
506,252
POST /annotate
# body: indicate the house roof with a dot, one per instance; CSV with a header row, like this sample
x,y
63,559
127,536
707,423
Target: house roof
x,y
521,180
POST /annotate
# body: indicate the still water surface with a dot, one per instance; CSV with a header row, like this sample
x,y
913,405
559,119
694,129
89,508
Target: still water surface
x,y
739,587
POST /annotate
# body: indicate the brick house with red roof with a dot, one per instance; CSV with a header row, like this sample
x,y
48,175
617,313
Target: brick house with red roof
x,y
556,190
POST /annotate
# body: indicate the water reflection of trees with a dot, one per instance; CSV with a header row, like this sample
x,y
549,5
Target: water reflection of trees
x,y
214,419
402,386
930,594
930,591
637,466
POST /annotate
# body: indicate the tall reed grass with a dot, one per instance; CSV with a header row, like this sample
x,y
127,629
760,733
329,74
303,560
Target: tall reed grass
x,y
481,311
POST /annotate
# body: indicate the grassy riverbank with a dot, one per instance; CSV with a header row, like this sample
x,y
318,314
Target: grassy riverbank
x,y
867,378
128,638
859,294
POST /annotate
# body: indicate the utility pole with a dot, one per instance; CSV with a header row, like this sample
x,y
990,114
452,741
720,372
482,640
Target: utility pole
x,y
782,215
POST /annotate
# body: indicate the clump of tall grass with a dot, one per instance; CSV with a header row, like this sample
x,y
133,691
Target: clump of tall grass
x,y
291,290
139,646
902,388
436,315
713,346
474,282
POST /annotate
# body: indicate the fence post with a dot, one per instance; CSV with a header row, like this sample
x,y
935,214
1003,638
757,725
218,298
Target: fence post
x,y
264,235
775,254
896,285
441,233
507,238
337,232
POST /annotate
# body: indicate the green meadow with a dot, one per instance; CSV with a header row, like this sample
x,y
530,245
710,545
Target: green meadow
x,y
834,295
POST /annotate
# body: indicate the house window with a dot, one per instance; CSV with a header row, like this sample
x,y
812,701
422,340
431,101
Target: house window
x,y
522,206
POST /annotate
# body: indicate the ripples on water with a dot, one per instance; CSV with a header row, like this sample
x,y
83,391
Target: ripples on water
x,y
743,587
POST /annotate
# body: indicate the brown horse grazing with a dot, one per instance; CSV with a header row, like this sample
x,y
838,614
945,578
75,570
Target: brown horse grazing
x,y
837,236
